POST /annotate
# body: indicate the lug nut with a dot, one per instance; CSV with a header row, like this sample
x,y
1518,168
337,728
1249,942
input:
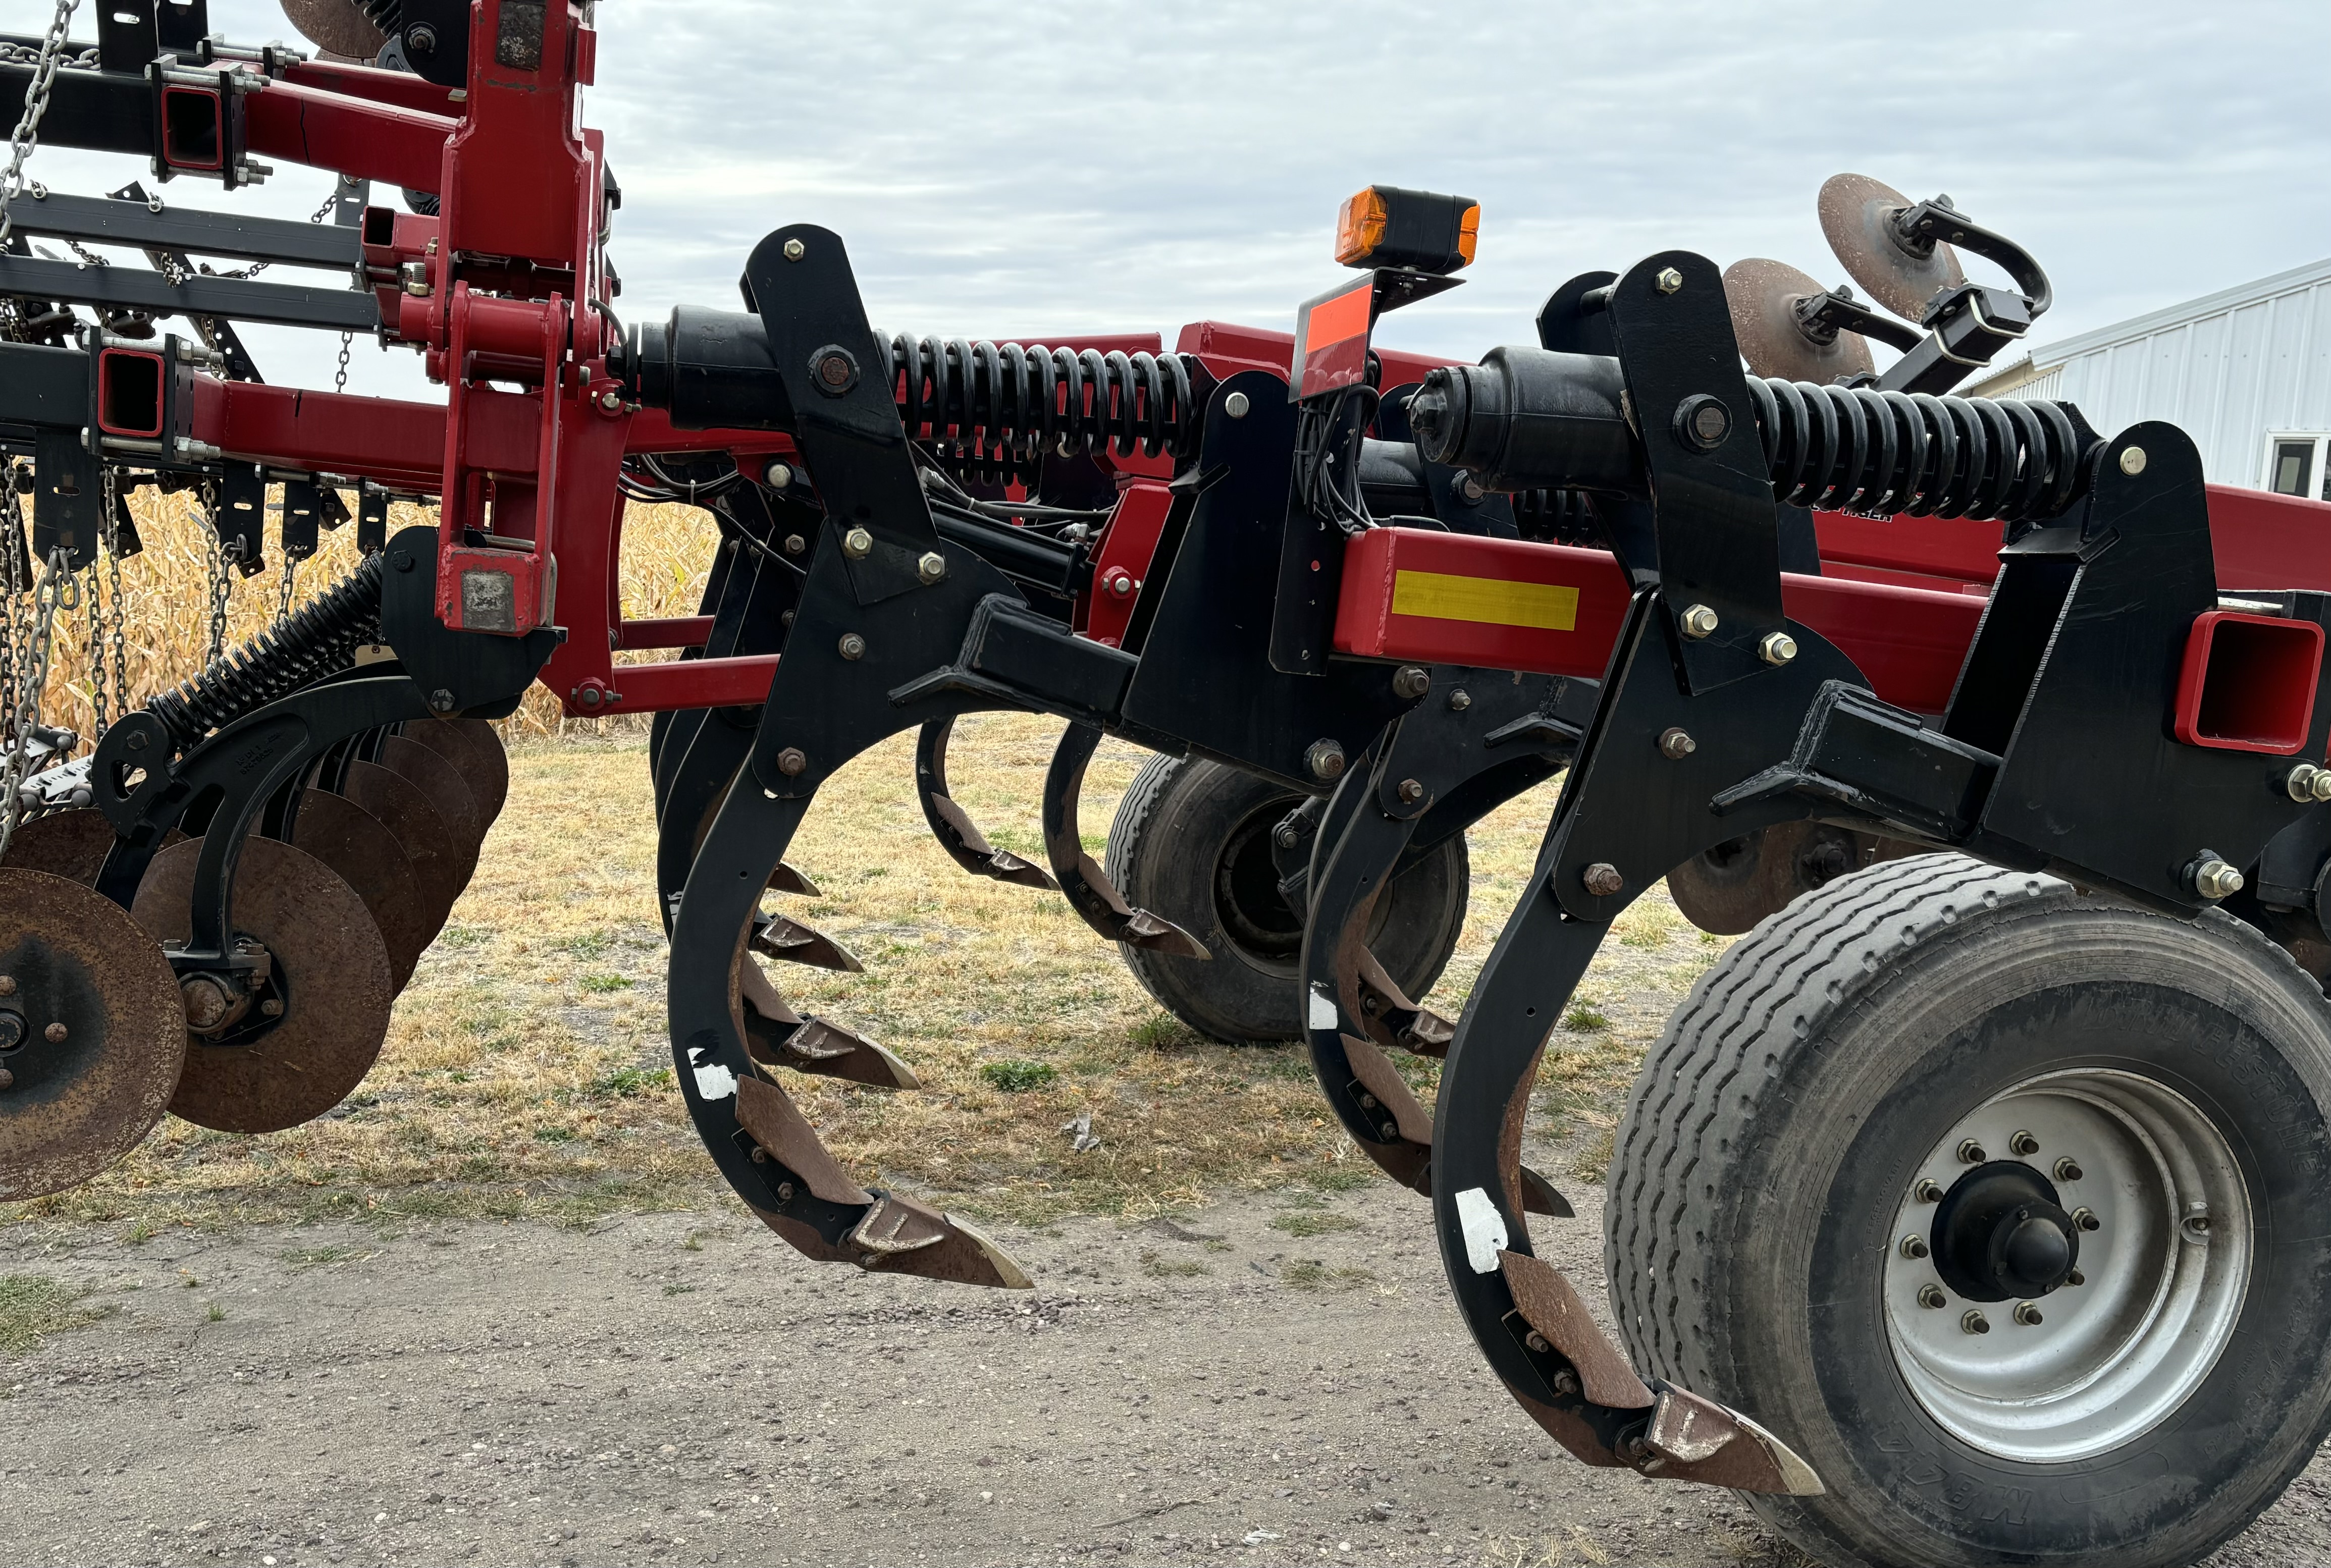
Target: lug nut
x,y
1970,1153
1675,744
1603,880
1926,1191
1932,1296
2027,1313
1411,792
791,762
2085,1219
1974,1323
56,1035
932,566
1411,681
852,646
1913,1246
1697,621
1669,281
1776,648
856,543
2024,1144
2068,1169
2216,879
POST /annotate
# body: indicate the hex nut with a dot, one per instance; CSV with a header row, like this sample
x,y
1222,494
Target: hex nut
x,y
796,250
1970,1153
1913,1246
1697,621
1931,1295
2085,1219
1460,701
1927,1191
440,701
2024,1144
795,544
1411,681
2132,460
1411,792
1973,1322
1701,423
856,543
2068,1169
1776,648
1669,281
851,646
1603,880
1676,743
931,566
791,762
1324,758
1536,1341
2216,879
2027,1313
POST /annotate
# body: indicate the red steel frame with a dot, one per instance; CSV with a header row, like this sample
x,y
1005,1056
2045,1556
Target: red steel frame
x,y
512,289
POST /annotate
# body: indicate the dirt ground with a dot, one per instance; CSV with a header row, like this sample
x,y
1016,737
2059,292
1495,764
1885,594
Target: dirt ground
x,y
1273,1380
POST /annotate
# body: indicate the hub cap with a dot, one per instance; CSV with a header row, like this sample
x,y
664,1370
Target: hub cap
x,y
2067,1265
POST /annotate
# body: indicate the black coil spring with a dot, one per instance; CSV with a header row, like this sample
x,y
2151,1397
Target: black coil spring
x,y
319,640
994,411
1886,454
1556,518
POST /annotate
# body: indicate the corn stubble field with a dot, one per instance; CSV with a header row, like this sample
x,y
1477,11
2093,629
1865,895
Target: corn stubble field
x,y
527,1072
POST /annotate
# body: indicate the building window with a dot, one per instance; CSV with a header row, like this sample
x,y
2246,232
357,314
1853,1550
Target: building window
x,y
2295,464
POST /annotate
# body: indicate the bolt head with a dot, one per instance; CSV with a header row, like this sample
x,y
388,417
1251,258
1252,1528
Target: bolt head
x,y
272,1007
2076,1278
2217,879
7,1078
1603,880
1286,837
588,696
856,543
852,646
1927,1191
1536,1341
777,476
1676,744
1697,621
139,740
796,250
1411,681
2068,1169
55,1034
1669,281
932,566
1471,488
1324,758
2085,1219
612,400
1235,405
1970,1153
1974,1322
1776,648
2024,1144
1932,1296
2132,460
1411,792
8,985
791,762
2027,1313
440,701
835,371
785,1192
1913,1246
2299,782
422,40
1460,701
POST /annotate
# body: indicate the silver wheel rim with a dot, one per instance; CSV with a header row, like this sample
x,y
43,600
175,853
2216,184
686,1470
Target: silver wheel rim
x,y
2163,1272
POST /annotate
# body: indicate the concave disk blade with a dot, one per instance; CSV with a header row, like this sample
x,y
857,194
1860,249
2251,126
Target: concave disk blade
x,y
476,753
436,779
333,969
1857,214
336,26
71,844
74,1106
401,807
1762,295
366,855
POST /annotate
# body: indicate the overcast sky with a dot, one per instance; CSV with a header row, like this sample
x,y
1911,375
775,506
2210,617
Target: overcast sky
x,y
1017,170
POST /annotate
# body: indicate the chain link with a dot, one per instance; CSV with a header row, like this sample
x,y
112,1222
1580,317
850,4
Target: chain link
x,y
27,134
11,518
108,634
52,593
220,588
256,267
283,600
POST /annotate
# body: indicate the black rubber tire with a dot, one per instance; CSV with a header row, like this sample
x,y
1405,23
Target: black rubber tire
x,y
1768,1143
1191,844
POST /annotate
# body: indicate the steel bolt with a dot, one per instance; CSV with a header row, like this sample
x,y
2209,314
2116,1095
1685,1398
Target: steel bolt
x,y
1970,1153
931,568
835,371
777,476
422,40
852,646
1926,1191
1974,1322
785,1192
796,250
1411,681
1470,489
1118,582
206,1001
440,701
55,1034
612,400
8,981
1460,701
1235,405
1701,423
272,1007
1536,1341
1913,1246
1286,837
137,741
1776,648
1603,880
2217,879
2068,1169
2132,460
1324,758
2027,1313
856,543
1669,281
1932,1296
791,762
1565,1384
795,544
1697,621
2300,782
1367,1101
1411,792
2076,1278
2024,1144
760,1157
1676,744
2085,1219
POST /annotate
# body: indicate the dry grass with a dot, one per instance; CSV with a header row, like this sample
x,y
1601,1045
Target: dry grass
x,y
33,1306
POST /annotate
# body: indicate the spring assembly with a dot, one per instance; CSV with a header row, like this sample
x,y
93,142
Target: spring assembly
x,y
1556,518
994,411
319,640
1887,453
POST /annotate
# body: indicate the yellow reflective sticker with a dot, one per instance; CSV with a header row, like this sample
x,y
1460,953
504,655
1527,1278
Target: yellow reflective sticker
x,y
1550,606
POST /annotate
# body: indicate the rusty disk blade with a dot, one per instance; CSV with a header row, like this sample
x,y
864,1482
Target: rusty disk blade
x,y
99,1033
446,792
336,26
71,844
331,964
1763,296
1857,214
400,806
476,753
366,855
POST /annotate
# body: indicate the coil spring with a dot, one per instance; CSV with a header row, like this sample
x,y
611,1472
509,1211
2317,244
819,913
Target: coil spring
x,y
321,639
1857,449
1552,517
995,410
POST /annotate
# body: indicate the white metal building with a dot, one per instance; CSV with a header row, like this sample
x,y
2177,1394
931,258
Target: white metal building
x,y
2246,372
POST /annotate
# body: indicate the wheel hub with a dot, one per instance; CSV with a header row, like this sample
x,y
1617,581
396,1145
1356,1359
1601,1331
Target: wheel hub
x,y
2000,1232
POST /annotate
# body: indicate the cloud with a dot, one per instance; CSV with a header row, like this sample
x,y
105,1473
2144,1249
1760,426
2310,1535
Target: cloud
x,y
1027,168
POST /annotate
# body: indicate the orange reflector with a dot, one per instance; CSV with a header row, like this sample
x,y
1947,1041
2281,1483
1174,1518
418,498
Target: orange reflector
x,y
1333,320
1469,233
1360,226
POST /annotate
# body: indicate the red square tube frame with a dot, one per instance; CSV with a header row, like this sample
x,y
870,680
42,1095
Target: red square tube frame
x,y
2247,682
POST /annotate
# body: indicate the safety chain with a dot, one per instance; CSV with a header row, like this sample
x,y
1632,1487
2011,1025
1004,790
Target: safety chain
x,y
23,54
256,267
12,519
283,600
109,635
55,591
27,134
340,379
220,588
